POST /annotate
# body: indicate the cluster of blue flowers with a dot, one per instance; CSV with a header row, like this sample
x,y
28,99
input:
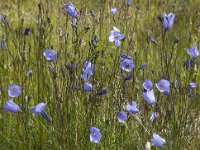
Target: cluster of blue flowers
x,y
126,64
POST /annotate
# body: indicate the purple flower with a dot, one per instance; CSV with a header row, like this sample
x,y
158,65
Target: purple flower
x,y
168,20
128,2
142,66
192,85
3,43
132,107
193,52
39,108
11,106
128,77
87,86
125,56
163,86
153,116
121,116
127,63
113,10
69,8
147,85
26,32
149,96
95,135
187,64
50,55
102,92
116,36
14,90
157,140
87,70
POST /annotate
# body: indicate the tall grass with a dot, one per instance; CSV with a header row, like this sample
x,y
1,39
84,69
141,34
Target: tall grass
x,y
74,111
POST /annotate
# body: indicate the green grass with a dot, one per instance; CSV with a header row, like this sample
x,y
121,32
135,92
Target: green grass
x,y
74,112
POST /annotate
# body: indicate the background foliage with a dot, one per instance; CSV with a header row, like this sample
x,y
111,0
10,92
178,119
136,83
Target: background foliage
x,y
74,111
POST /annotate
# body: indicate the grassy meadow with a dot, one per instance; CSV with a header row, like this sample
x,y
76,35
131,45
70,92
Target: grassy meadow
x,y
28,27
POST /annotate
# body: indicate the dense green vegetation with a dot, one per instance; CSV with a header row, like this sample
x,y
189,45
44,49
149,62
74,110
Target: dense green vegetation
x,y
74,111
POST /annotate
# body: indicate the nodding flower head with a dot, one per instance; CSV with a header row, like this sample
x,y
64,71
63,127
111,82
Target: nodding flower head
x,y
71,10
127,63
116,36
193,52
147,85
14,90
122,116
95,135
149,96
39,108
113,10
132,107
168,20
157,140
87,70
163,86
50,55
11,106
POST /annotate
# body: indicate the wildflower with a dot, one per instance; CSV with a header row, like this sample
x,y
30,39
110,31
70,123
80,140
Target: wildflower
x,y
163,86
3,43
71,10
192,85
157,140
193,52
132,107
149,96
87,70
14,90
153,116
116,36
113,10
95,135
168,20
50,55
121,116
127,63
188,64
39,108
11,106
128,2
142,66
147,85
26,32
87,86
102,92
128,77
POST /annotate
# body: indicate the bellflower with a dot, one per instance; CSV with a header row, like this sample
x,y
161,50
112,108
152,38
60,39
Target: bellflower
x,y
50,55
192,85
163,86
121,116
11,106
95,135
39,108
157,140
127,63
153,116
128,2
116,36
71,10
14,90
149,96
132,107
147,85
102,92
87,86
168,20
87,70
113,10
193,52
